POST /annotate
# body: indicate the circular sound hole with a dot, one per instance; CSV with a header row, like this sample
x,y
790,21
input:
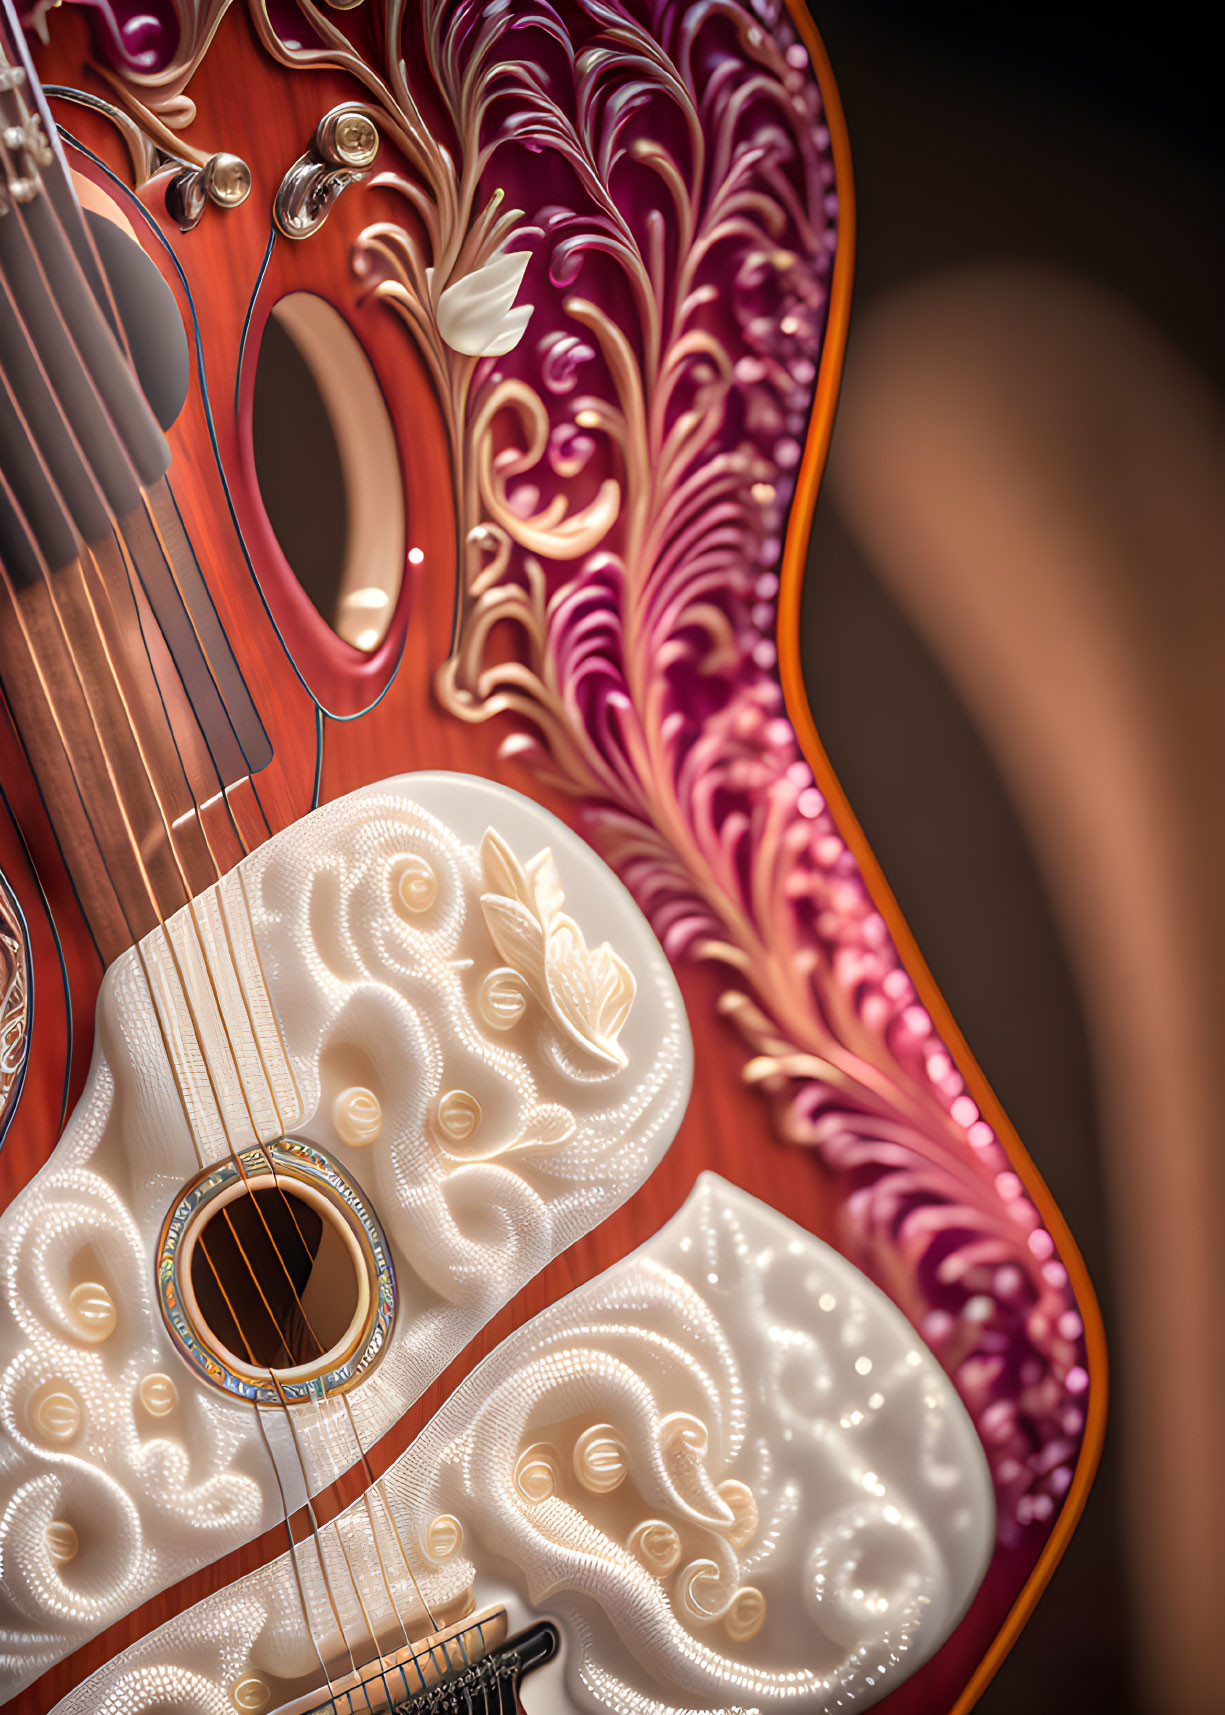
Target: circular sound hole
x,y
277,1279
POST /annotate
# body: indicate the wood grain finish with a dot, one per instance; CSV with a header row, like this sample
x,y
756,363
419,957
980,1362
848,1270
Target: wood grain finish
x,y
380,717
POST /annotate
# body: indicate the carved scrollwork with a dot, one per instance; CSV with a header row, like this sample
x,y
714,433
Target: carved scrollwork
x,y
684,1463
354,1033
15,998
343,152
617,269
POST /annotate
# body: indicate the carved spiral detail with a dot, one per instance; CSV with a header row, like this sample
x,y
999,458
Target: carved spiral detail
x,y
683,1437
599,1459
14,999
502,999
56,1412
743,1504
699,1592
416,884
141,1452
746,1614
459,1114
251,1693
357,1115
158,1394
444,1538
657,1544
63,1544
91,1312
538,1472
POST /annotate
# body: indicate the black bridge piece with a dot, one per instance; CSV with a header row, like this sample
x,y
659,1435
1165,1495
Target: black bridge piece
x,y
490,1686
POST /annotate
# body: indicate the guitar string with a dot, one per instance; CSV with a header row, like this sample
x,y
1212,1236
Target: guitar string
x,y
34,85
371,1481
141,952
363,1457
132,840
170,566
189,890
170,1056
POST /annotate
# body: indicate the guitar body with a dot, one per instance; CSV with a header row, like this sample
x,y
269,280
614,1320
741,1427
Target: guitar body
x,y
667,730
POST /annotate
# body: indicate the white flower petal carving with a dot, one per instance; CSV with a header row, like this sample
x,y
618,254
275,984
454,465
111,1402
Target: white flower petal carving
x,y
588,991
477,314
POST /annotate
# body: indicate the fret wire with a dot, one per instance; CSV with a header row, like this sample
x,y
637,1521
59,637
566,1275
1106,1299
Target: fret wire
x,y
134,844
49,584
234,1056
61,191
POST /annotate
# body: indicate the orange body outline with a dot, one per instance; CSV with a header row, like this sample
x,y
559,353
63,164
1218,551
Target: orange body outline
x,y
795,697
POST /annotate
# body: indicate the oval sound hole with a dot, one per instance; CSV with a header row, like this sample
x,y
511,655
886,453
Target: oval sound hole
x,y
276,1284
328,467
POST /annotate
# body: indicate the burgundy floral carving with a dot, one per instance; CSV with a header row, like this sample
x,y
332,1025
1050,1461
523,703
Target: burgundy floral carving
x,y
615,259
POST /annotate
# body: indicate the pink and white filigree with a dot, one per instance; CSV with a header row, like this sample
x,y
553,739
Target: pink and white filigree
x,y
656,178
623,478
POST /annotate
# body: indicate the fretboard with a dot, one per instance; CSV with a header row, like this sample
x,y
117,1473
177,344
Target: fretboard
x,y
117,675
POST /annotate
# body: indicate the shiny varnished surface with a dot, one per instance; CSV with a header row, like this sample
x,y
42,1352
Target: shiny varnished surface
x,y
233,275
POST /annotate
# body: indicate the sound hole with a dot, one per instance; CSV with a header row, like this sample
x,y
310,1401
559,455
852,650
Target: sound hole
x,y
328,468
275,1281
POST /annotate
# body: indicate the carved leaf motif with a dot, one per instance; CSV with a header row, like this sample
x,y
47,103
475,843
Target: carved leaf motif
x,y
477,314
547,890
591,991
588,991
517,935
502,871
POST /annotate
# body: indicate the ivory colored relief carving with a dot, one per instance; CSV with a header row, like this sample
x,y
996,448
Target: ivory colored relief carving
x,y
617,268
726,1468
320,1020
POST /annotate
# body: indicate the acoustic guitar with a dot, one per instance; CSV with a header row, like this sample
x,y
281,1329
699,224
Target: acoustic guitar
x,y
494,1204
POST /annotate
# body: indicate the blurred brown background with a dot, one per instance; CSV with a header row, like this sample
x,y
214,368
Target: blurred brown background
x,y
1015,651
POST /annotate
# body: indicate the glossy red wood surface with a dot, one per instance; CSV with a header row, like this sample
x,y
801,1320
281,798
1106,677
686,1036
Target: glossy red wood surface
x,y
390,722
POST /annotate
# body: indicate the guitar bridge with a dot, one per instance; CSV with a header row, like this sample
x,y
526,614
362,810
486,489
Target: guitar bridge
x,y
470,1668
491,1684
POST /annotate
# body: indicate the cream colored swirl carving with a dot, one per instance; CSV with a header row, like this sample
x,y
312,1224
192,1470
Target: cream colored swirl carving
x,y
353,1022
757,1536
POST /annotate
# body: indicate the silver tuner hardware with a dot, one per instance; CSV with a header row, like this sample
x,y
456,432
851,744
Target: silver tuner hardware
x,y
24,147
224,180
343,150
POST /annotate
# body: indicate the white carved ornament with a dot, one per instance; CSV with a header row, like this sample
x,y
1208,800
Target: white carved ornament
x,y
726,1469
339,987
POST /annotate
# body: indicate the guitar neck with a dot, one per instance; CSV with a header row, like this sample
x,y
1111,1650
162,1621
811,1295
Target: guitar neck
x,y
119,681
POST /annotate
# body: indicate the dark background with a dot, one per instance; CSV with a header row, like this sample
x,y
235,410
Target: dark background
x,y
1098,147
